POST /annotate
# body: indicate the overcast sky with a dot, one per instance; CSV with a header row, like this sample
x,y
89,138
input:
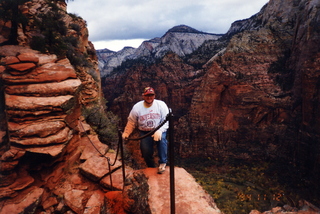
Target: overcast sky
x,y
114,24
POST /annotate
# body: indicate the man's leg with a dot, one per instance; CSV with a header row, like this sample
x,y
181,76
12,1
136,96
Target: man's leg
x,y
163,148
146,147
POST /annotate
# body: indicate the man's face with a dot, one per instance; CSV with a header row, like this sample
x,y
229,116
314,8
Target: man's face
x,y
149,98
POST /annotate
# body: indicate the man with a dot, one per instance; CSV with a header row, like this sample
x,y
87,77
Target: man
x,y
146,115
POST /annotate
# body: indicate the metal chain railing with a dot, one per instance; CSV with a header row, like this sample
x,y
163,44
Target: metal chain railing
x,y
102,155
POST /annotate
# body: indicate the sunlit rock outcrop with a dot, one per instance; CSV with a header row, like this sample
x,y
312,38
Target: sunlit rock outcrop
x,y
36,116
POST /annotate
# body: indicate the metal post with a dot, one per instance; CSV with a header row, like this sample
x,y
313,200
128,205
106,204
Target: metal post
x,y
122,159
171,159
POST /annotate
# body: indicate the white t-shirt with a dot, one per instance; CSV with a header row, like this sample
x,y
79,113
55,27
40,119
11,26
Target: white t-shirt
x,y
147,119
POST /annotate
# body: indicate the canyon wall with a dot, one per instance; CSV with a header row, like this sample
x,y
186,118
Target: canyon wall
x,y
258,99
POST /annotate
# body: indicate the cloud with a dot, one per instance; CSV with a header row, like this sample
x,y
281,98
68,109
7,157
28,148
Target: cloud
x,y
118,44
127,19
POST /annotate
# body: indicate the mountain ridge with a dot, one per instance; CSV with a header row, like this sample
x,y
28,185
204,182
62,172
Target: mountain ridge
x,y
180,39
187,29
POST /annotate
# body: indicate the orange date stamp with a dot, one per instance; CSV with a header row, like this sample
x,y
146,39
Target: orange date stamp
x,y
260,197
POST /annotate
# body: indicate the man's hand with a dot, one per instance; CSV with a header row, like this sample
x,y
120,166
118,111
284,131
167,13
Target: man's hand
x,y
157,135
128,129
125,135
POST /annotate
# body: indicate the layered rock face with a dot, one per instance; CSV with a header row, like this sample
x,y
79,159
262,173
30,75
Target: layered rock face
x,y
37,88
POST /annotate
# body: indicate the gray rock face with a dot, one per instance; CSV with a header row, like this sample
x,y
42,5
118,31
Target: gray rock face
x,y
108,60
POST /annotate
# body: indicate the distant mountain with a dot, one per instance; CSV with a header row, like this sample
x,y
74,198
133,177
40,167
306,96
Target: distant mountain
x,y
108,60
185,29
180,39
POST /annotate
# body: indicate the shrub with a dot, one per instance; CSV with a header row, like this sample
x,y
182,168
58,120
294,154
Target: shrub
x,y
104,123
38,43
76,27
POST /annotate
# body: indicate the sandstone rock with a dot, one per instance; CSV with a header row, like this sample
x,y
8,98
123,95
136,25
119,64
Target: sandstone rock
x,y
46,58
40,129
2,69
14,50
73,199
10,60
61,187
76,179
23,180
61,208
53,151
8,165
82,126
90,150
20,67
26,204
23,115
7,193
117,179
7,178
61,137
307,206
65,62
304,208
67,87
289,208
276,209
49,202
255,212
50,72
2,135
28,57
12,154
97,167
36,103
95,203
